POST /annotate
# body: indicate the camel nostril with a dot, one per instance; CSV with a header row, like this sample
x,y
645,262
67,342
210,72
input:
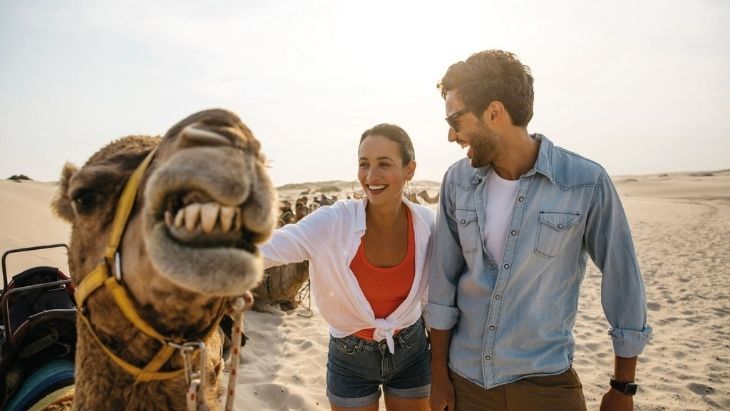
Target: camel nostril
x,y
194,136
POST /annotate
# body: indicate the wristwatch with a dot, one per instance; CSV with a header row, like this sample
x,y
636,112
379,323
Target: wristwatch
x,y
625,388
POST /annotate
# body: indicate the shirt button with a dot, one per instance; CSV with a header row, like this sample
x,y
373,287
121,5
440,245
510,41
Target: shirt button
x,y
463,221
486,357
560,226
497,297
521,199
513,232
506,266
491,327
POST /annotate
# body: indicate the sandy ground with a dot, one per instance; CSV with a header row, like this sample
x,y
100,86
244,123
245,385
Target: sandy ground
x,y
681,227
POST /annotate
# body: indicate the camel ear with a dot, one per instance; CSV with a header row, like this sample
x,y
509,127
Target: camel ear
x,y
61,204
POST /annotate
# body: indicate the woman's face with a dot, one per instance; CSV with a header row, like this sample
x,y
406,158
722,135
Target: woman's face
x,y
381,172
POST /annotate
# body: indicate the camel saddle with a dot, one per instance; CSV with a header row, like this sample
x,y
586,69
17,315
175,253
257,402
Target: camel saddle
x,y
38,339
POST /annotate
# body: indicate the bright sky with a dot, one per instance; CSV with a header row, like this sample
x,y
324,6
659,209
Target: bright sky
x,y
639,86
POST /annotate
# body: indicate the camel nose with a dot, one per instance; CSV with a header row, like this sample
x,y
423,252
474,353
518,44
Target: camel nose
x,y
195,135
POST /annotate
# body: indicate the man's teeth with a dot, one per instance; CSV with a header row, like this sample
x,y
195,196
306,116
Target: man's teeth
x,y
208,216
380,187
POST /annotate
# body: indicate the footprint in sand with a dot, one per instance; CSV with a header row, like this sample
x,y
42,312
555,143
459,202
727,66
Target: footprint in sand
x,y
700,389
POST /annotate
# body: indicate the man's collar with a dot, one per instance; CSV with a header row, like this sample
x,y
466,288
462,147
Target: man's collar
x,y
543,164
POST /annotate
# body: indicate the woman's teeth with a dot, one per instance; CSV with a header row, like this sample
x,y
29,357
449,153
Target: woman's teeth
x,y
376,188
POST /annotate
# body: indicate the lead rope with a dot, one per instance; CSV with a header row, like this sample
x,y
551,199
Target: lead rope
x,y
235,310
196,380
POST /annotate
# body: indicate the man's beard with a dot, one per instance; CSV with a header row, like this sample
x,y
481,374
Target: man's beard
x,y
482,144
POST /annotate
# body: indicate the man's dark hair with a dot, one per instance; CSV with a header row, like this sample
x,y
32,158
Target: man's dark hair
x,y
396,135
492,75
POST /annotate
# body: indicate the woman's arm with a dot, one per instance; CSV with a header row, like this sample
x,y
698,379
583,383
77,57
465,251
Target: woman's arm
x,y
298,242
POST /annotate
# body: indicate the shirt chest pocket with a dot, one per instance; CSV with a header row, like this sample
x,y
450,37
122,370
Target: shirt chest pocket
x,y
554,231
468,227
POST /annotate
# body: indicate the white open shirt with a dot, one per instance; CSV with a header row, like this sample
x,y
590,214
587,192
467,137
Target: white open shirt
x,y
329,239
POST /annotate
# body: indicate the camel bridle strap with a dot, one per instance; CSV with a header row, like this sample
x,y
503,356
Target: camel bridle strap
x,y
100,277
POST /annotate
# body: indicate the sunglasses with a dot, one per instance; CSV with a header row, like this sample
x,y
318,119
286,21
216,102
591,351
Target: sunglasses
x,y
453,117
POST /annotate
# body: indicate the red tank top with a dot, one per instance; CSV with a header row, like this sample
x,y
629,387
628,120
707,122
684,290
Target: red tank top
x,y
385,288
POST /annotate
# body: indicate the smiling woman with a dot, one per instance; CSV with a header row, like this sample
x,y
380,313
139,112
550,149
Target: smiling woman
x,y
372,298
386,161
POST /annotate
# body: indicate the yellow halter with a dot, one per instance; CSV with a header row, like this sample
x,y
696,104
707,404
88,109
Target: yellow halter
x,y
100,277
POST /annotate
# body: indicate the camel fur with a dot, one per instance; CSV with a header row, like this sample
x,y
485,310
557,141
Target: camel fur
x,y
190,244
282,283
427,198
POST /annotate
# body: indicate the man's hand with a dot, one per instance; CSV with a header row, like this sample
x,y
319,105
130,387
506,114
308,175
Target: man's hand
x,y
612,401
624,370
442,394
442,390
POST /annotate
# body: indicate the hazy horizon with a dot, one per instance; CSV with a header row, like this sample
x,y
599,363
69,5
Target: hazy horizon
x,y
637,86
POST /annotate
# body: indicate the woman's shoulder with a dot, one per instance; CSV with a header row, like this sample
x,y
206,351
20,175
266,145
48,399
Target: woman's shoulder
x,y
347,206
341,210
425,212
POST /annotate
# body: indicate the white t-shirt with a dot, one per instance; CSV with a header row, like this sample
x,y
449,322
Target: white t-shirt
x,y
500,198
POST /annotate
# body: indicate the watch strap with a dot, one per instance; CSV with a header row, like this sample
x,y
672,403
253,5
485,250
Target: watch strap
x,y
626,388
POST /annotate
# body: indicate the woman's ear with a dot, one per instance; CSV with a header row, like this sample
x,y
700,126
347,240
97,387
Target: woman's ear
x,y
411,169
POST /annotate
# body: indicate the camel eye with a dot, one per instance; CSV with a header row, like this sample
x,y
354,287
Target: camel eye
x,y
85,199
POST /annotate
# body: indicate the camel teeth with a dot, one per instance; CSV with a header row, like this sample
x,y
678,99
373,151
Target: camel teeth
x,y
168,219
192,212
179,218
208,216
227,215
238,220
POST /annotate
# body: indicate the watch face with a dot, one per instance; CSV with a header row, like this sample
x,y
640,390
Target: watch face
x,y
631,389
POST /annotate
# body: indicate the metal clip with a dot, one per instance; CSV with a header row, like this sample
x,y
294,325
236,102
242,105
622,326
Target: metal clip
x,y
118,266
194,378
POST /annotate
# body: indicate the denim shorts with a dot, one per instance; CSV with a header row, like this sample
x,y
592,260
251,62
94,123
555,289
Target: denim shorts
x,y
356,368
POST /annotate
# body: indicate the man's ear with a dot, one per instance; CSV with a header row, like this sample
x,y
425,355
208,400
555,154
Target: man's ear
x,y
61,204
494,113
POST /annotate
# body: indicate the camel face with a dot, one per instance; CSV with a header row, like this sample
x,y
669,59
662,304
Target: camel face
x,y
202,207
209,202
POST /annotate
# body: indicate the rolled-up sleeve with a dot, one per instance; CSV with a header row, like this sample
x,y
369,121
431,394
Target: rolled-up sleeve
x,y
608,242
446,263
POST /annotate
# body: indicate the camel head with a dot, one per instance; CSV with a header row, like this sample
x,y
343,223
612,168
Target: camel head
x,y
203,205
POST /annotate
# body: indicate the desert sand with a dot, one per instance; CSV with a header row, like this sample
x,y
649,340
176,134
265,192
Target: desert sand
x,y
681,227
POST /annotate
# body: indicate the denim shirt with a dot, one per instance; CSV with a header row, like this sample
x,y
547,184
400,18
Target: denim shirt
x,y
515,320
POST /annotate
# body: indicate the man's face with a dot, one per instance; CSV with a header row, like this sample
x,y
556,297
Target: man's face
x,y
471,132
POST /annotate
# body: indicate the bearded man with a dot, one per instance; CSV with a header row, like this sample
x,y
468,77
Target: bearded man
x,y
517,221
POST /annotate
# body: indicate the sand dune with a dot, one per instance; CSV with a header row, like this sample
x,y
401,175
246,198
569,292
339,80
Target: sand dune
x,y
681,226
